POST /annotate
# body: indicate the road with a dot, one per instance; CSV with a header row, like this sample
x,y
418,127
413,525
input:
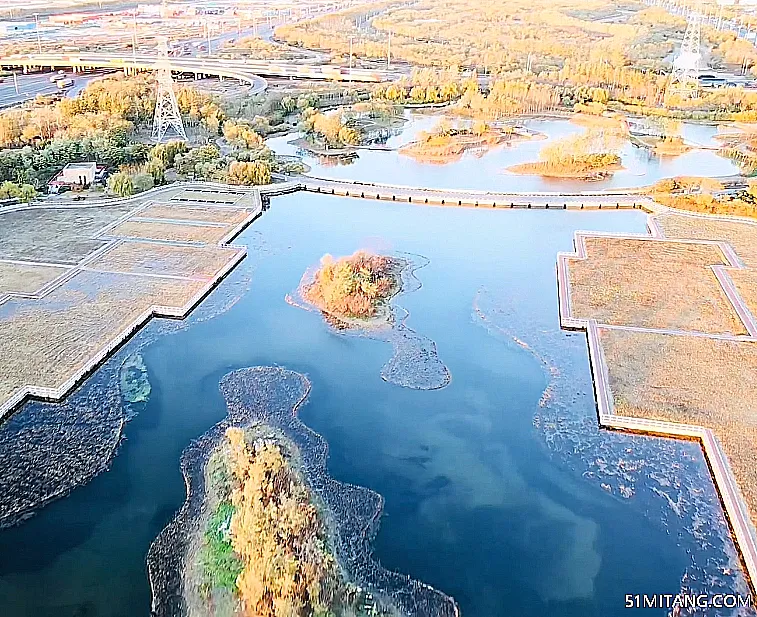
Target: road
x,y
33,84
243,70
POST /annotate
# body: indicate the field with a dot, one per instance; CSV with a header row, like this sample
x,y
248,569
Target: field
x,y
691,380
60,236
165,259
47,341
171,231
746,284
50,340
741,236
183,212
651,284
24,278
700,373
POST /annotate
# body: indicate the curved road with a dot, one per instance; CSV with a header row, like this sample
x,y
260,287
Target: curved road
x,y
243,70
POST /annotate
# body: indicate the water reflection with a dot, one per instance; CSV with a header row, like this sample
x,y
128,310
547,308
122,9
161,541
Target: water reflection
x,y
488,171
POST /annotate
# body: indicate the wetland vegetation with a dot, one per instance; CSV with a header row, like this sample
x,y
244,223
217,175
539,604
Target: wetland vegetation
x,y
337,469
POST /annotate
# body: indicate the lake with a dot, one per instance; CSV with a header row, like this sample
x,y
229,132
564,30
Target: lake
x,y
488,172
513,503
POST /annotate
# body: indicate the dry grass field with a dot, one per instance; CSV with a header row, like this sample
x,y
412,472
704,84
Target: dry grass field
x,y
209,214
55,235
49,340
46,341
171,231
741,236
210,196
153,258
746,285
651,284
26,278
691,380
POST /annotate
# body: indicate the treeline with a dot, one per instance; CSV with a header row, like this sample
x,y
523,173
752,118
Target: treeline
x,y
705,195
104,124
539,35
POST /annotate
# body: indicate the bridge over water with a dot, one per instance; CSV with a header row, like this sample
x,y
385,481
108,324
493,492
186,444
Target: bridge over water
x,y
599,200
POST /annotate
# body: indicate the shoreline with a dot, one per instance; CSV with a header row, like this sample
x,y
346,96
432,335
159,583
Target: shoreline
x,y
727,487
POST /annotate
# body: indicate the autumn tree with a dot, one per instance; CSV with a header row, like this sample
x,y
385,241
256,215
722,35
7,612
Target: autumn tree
x,y
278,534
249,173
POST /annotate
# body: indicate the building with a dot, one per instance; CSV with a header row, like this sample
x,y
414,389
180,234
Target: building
x,y
13,27
64,19
82,174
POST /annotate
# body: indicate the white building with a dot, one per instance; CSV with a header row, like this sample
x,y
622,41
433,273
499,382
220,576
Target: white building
x,y
15,27
78,173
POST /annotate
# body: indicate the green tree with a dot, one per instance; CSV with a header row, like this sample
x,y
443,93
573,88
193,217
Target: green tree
x,y
12,190
142,182
121,184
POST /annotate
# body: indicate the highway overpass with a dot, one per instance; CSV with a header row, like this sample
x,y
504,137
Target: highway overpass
x,y
243,70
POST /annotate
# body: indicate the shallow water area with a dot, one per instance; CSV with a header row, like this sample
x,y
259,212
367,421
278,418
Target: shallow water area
x,y
488,172
493,493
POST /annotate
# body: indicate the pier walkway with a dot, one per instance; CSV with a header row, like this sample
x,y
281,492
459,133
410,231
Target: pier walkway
x,y
452,197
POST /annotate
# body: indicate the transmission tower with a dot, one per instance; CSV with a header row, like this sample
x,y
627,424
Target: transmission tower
x,y
167,118
684,79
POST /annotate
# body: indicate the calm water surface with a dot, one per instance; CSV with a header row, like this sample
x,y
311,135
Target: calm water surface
x,y
488,172
477,504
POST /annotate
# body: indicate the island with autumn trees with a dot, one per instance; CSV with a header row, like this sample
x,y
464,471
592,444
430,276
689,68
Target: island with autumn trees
x,y
447,143
265,531
589,156
263,546
356,287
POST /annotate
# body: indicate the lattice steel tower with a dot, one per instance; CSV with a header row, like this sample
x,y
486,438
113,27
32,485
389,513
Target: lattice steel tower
x,y
167,118
683,80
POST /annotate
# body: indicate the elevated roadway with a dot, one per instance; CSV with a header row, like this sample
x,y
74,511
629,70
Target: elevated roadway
x,y
248,71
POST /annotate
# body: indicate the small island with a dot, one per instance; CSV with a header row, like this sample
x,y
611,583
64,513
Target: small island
x,y
588,156
354,287
447,144
343,131
354,295
265,530
264,547
135,384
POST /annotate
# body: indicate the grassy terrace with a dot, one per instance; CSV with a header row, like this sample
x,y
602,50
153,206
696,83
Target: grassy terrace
x,y
691,380
662,285
74,287
674,338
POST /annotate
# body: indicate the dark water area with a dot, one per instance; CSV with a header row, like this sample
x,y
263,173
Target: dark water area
x,y
484,498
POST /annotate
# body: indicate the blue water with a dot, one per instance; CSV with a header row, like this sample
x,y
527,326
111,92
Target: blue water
x,y
477,503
